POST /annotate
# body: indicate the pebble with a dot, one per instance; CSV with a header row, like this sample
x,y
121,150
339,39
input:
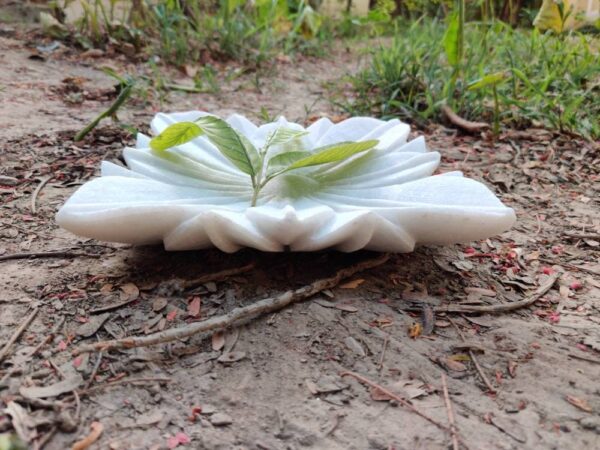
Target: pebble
x,y
220,419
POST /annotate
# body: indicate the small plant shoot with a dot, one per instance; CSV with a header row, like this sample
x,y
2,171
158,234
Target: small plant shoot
x,y
255,162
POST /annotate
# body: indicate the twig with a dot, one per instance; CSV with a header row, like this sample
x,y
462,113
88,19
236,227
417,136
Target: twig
x,y
94,371
385,344
111,111
17,333
112,306
502,307
571,266
88,391
37,191
399,399
467,125
584,358
48,338
39,445
473,357
50,254
237,315
582,236
451,421
217,276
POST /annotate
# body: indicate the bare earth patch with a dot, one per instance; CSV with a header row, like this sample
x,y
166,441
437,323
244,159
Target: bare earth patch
x,y
274,382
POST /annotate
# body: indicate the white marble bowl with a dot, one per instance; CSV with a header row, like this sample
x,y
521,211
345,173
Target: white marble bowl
x,y
386,199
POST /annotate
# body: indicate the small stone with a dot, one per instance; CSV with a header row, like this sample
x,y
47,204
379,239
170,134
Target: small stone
x,y
220,420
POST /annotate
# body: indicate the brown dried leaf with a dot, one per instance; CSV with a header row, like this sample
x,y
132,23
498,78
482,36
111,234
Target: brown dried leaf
x,y
92,326
379,396
129,291
159,304
580,403
456,366
194,307
231,357
218,341
352,284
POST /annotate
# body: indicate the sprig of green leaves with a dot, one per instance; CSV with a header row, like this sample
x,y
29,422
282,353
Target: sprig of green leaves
x,y
242,153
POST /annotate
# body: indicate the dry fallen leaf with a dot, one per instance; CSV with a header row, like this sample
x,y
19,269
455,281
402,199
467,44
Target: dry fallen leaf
x,y
194,307
54,390
159,304
352,284
379,396
579,403
231,357
218,341
129,291
415,330
456,366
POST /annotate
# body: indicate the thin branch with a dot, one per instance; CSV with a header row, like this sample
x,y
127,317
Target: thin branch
x,y
17,333
396,397
217,276
450,412
37,191
467,125
502,307
473,357
50,254
99,387
237,315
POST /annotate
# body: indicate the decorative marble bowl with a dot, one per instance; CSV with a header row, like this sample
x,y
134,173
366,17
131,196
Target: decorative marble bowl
x,y
385,200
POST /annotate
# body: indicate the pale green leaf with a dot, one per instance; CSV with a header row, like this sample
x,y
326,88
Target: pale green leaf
x,y
176,134
333,153
232,145
492,79
283,135
282,161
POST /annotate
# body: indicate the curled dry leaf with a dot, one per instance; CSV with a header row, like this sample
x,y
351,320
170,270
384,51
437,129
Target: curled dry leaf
x,y
83,444
22,422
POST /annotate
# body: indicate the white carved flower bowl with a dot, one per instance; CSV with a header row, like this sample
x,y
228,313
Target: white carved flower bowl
x,y
193,197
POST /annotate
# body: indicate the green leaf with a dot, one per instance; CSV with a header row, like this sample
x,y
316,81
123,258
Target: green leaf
x,y
176,134
451,41
232,145
333,153
280,162
492,79
283,135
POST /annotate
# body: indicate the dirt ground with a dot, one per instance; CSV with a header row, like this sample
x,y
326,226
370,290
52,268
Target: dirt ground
x,y
274,383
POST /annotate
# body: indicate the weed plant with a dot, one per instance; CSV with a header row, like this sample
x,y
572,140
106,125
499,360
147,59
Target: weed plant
x,y
525,77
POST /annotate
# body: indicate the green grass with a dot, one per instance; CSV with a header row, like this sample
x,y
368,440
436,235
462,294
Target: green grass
x,y
185,32
549,80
